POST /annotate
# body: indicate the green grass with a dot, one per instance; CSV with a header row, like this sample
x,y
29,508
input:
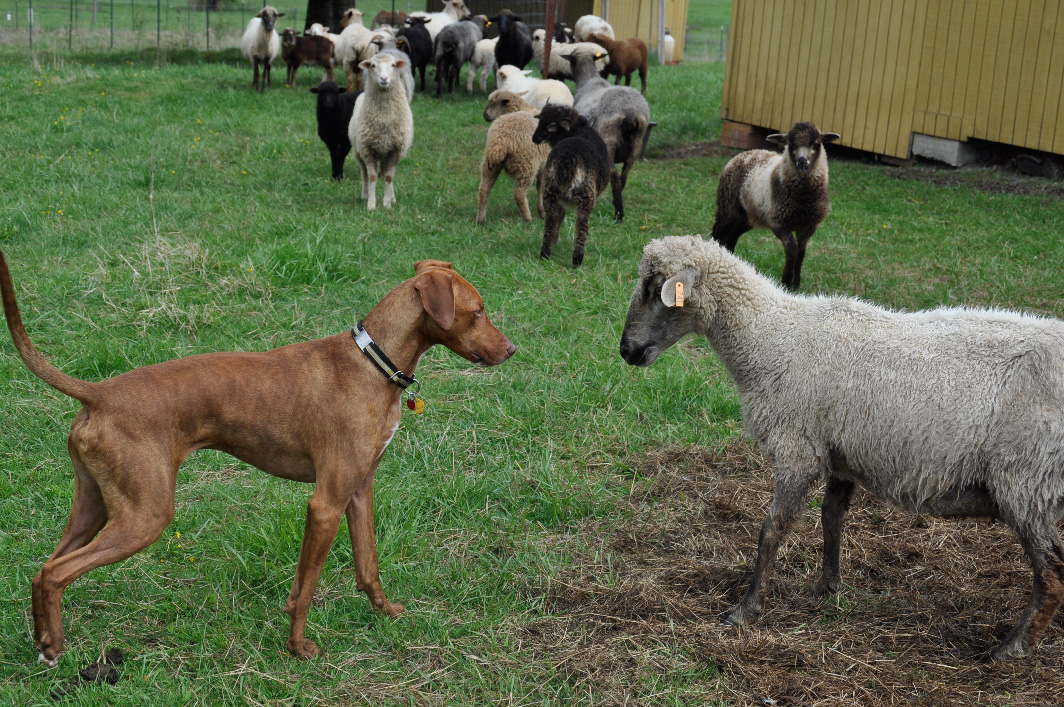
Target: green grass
x,y
152,211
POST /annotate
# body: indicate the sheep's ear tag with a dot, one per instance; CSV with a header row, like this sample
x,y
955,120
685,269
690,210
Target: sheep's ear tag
x,y
679,293
415,403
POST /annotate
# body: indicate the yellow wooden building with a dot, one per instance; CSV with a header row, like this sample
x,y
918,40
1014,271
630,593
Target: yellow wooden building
x,y
879,72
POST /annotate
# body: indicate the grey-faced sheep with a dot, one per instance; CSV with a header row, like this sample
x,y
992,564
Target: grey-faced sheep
x,y
536,92
415,41
786,193
949,412
620,115
382,127
309,49
510,148
560,68
515,40
260,45
627,56
334,108
577,172
454,47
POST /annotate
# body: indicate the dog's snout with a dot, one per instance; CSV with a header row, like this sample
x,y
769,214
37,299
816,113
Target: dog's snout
x,y
511,349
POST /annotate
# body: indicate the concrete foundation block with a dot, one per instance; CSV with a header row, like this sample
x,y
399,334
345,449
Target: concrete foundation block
x,y
952,152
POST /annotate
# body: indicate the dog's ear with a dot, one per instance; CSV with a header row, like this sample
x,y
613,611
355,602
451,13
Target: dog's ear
x,y
436,288
426,264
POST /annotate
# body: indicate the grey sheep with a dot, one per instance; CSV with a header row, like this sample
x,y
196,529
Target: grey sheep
x,y
577,172
786,193
621,116
455,45
951,412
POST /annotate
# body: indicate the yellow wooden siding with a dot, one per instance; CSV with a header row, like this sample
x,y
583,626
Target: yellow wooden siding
x,y
639,18
877,71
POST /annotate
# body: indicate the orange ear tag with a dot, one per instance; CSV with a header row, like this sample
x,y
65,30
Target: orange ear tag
x,y
679,294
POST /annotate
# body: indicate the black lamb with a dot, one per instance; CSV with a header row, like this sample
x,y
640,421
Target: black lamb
x,y
515,40
577,172
335,106
416,41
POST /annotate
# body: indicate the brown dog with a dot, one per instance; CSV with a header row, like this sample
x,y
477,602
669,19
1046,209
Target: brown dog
x,y
321,412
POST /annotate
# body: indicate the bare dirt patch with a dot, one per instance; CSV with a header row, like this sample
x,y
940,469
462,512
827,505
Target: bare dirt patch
x,y
923,601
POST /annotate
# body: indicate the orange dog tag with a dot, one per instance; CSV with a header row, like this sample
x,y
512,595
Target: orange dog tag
x,y
679,294
416,404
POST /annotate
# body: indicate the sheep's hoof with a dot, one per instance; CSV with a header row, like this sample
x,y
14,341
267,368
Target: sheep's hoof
x,y
826,587
545,254
1007,650
739,616
577,260
618,217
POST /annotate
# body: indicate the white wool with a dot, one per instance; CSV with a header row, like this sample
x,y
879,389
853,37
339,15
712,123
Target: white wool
x,y
259,44
536,92
592,24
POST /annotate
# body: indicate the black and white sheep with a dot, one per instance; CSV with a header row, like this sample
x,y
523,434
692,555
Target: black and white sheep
x,y
510,148
455,45
309,49
621,116
382,127
334,109
786,193
577,172
261,44
415,41
515,40
952,412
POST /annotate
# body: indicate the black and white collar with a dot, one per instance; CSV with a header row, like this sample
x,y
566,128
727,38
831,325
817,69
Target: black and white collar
x,y
380,359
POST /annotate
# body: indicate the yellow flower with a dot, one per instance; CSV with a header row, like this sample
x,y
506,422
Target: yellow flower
x,y
177,534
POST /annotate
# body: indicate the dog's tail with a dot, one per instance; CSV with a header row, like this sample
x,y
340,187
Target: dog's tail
x,y
79,389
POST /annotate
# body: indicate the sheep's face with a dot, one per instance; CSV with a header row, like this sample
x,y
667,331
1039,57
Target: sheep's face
x,y
657,316
501,103
383,69
269,16
288,37
459,6
803,145
351,15
555,124
328,94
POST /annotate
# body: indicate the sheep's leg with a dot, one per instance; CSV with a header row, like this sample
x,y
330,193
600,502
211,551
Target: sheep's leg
x,y
521,185
793,254
484,79
470,77
338,154
329,75
786,509
583,218
369,183
350,70
295,70
422,70
628,79
618,198
255,79
363,172
539,193
555,214
643,78
388,165
833,515
489,173
267,73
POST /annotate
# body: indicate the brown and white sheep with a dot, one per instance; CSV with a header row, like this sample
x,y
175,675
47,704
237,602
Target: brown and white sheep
x,y
786,193
309,49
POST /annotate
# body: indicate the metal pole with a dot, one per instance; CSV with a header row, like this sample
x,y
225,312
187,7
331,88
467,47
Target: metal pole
x,y
207,11
661,32
158,24
16,15
31,25
70,28
112,24
547,40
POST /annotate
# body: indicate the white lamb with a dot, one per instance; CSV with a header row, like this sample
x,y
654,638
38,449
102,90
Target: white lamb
x,y
453,11
346,47
483,62
322,31
589,25
536,92
261,44
382,127
559,67
952,412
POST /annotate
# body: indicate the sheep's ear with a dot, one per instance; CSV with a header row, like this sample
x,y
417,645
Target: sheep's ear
x,y
601,55
527,72
280,14
523,93
400,63
364,65
436,288
314,90
518,19
778,138
341,89
830,137
685,277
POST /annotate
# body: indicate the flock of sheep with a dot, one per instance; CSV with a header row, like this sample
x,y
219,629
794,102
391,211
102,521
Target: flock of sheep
x,y
953,412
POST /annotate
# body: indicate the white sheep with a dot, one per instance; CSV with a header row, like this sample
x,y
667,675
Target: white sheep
x,y
483,62
589,25
536,92
510,148
952,412
261,44
559,67
382,127
453,11
786,193
346,47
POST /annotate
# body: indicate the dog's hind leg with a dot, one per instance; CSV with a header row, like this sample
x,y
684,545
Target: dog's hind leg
x,y
364,547
136,517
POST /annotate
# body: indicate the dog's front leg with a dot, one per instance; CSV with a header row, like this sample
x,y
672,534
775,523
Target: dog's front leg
x,y
323,520
364,547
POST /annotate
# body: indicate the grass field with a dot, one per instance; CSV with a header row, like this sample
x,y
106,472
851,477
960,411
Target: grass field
x,y
154,211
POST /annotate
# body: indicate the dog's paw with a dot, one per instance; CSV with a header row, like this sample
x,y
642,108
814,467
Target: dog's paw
x,y
304,649
391,609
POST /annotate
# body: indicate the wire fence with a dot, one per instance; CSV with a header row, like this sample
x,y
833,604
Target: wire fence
x,y
137,24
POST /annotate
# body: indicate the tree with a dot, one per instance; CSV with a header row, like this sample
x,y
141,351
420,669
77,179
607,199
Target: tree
x,y
327,12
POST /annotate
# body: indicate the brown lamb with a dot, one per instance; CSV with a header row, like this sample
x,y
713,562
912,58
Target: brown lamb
x,y
626,56
309,49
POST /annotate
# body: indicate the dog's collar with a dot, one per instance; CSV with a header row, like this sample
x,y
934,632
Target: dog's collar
x,y
389,369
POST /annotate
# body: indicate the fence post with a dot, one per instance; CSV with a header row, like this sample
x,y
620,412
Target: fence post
x,y
158,24
207,12
30,18
16,15
112,24
70,26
